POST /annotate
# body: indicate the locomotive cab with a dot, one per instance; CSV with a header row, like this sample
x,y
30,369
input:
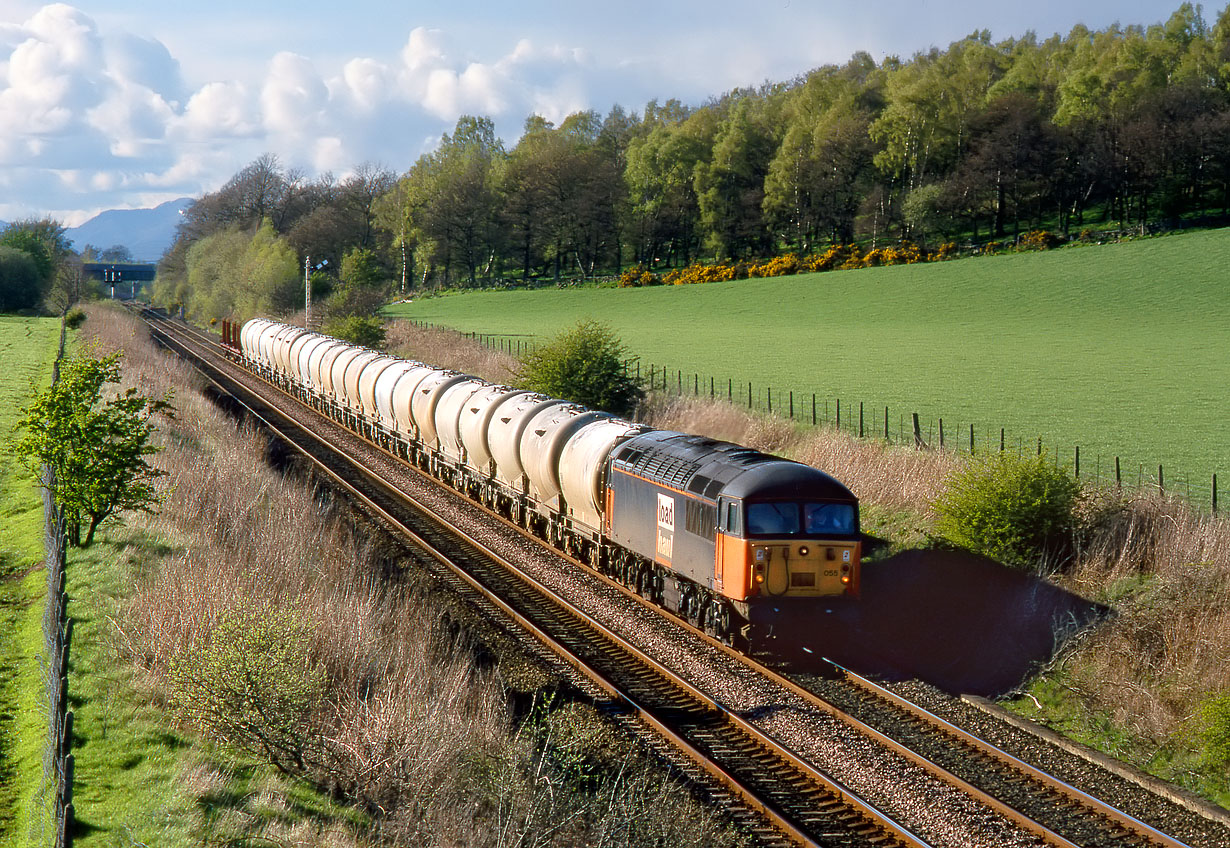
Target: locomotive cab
x,y
787,532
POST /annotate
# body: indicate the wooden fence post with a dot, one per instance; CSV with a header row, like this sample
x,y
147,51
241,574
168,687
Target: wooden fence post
x,y
1215,494
1118,475
918,439
941,434
1001,439
1161,483
838,413
860,419
770,398
886,424
971,440
1078,462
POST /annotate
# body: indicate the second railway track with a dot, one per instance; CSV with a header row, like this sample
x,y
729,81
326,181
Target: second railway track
x,y
790,798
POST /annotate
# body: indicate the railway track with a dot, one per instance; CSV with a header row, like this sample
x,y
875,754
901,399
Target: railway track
x,y
789,799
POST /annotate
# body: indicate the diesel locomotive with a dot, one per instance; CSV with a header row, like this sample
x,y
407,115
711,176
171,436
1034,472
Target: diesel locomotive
x,y
736,541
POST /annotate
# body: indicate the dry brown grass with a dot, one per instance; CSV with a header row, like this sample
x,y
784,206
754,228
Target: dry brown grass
x,y
411,729
447,349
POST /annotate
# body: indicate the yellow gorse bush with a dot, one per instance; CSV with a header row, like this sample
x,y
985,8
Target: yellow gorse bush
x,y
838,257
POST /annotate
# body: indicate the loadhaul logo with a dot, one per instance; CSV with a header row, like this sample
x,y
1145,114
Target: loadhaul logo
x,y
666,526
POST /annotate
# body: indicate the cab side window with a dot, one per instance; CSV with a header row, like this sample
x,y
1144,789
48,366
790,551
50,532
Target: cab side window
x,y
731,519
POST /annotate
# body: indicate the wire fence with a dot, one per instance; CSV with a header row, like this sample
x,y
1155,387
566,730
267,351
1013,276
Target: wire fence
x,y
58,762
57,637
896,426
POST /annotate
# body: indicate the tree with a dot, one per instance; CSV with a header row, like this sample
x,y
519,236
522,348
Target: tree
x,y
366,331
96,448
20,282
586,364
115,253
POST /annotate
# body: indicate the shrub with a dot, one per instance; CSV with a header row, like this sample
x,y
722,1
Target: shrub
x,y
586,365
74,318
368,332
252,683
1040,240
638,275
1018,510
1215,730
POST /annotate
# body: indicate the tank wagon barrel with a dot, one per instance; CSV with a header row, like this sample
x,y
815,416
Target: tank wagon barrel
x,y
732,539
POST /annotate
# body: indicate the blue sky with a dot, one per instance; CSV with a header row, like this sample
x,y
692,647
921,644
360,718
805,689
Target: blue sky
x,y
127,103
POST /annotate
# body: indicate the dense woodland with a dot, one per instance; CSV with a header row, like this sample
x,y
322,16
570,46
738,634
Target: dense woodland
x,y
1124,128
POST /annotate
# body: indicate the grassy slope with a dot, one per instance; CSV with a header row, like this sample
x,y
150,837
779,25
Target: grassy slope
x,y
1120,349
27,349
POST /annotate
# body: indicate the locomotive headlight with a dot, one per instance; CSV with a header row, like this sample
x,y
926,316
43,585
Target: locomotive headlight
x,y
803,551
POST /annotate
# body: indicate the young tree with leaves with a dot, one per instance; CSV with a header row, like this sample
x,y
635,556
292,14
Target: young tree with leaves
x,y
96,447
586,365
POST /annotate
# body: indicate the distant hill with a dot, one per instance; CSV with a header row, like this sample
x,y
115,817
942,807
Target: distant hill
x,y
145,232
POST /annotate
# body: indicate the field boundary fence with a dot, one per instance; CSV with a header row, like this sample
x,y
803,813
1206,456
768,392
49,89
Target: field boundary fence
x,y
881,422
58,761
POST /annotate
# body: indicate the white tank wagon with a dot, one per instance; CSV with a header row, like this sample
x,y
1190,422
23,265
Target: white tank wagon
x,y
504,436
368,377
296,348
474,424
351,397
385,386
309,352
321,362
449,408
403,395
264,344
335,385
249,340
424,401
542,444
281,347
583,467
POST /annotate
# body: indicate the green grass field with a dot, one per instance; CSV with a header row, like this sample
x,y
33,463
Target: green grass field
x,y
27,350
1121,349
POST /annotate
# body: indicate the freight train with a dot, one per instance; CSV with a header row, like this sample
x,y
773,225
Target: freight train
x,y
744,545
